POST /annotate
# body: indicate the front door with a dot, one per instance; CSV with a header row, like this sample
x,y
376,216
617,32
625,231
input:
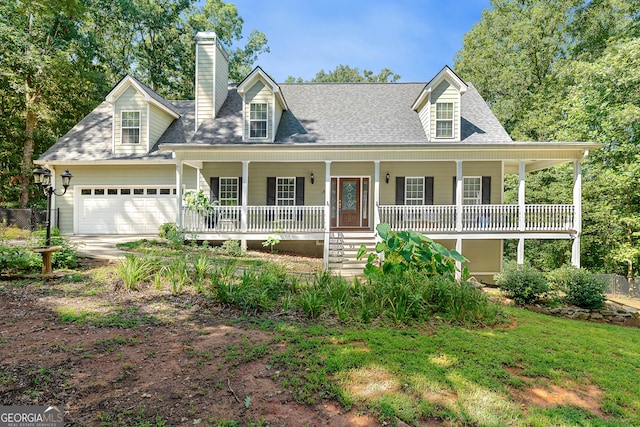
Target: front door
x,y
349,202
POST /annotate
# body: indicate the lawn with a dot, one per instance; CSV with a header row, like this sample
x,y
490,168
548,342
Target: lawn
x,y
161,355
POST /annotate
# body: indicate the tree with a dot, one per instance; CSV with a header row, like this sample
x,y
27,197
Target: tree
x,y
569,70
44,57
346,74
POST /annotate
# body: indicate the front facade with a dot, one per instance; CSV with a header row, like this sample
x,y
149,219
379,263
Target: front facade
x,y
316,166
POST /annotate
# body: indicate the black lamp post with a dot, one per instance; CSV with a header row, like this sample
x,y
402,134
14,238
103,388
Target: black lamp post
x,y
42,176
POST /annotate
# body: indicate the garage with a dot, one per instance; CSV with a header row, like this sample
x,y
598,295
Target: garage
x,y
124,210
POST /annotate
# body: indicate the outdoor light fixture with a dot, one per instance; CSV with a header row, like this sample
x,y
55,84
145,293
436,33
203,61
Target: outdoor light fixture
x,y
388,177
42,177
313,178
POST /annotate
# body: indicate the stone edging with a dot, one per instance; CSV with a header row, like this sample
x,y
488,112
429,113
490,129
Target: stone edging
x,y
611,313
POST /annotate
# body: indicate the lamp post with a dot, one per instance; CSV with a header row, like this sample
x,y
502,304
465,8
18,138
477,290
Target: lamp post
x,y
42,176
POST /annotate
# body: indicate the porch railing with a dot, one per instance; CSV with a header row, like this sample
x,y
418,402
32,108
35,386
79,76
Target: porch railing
x,y
478,218
286,219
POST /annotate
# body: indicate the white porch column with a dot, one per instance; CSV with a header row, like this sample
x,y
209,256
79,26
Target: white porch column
x,y
376,194
577,215
521,209
327,213
198,174
458,263
459,189
179,171
245,201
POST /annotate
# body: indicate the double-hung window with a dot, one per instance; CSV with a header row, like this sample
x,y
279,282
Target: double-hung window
x,y
444,120
228,192
258,120
285,191
414,190
472,190
130,121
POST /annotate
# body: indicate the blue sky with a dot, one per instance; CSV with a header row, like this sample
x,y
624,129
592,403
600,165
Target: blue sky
x,y
414,38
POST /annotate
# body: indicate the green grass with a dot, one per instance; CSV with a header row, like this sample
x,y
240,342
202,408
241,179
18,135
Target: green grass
x,y
123,318
455,373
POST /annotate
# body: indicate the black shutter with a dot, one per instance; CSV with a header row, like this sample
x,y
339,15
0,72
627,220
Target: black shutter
x,y
428,190
300,191
399,190
214,188
455,186
486,190
239,191
271,191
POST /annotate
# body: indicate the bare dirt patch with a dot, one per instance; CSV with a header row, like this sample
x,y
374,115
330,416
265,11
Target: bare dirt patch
x,y
544,394
178,358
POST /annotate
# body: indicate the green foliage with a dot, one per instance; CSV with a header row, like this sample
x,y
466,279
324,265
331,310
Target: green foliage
x,y
177,272
581,287
171,232
406,250
67,256
232,248
134,270
18,259
346,74
523,283
271,242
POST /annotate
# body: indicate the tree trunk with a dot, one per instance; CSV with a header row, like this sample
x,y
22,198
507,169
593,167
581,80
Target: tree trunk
x,y
27,152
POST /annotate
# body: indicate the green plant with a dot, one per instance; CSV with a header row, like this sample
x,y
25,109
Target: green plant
x,y
66,256
523,283
581,287
404,250
311,301
134,270
18,259
177,272
271,242
232,248
202,269
171,232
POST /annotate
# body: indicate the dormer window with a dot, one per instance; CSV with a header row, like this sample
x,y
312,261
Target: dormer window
x,y
258,120
130,121
444,120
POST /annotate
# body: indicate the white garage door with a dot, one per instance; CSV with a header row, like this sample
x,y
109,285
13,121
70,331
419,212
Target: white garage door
x,y
124,210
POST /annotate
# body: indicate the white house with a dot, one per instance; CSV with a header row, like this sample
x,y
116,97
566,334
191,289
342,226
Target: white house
x,y
319,165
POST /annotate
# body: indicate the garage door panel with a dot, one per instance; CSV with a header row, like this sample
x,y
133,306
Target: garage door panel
x,y
124,213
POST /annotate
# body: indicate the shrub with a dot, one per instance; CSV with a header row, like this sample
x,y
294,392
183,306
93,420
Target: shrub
x,y
18,259
523,283
581,287
232,248
171,232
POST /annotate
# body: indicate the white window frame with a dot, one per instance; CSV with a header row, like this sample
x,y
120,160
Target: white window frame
x,y
228,184
475,199
289,199
253,120
414,196
129,127
442,120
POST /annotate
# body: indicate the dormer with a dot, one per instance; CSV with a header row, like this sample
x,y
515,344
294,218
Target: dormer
x,y
140,116
262,106
438,106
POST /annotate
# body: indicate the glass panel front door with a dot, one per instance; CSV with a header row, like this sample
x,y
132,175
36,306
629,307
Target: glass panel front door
x,y
349,202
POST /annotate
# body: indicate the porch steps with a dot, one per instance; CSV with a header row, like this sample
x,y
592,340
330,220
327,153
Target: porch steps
x,y
343,251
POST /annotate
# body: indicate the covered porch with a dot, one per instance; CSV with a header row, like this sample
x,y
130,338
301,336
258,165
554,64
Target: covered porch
x,y
446,210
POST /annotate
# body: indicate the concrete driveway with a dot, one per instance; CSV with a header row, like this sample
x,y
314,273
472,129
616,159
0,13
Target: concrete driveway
x,y
104,246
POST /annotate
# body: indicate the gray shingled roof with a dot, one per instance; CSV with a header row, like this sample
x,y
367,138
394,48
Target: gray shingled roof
x,y
352,114
153,94
358,114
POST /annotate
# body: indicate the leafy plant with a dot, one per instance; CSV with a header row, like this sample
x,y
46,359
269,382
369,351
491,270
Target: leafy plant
x,y
18,259
523,283
171,232
134,270
67,256
581,287
231,247
404,250
177,272
270,242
